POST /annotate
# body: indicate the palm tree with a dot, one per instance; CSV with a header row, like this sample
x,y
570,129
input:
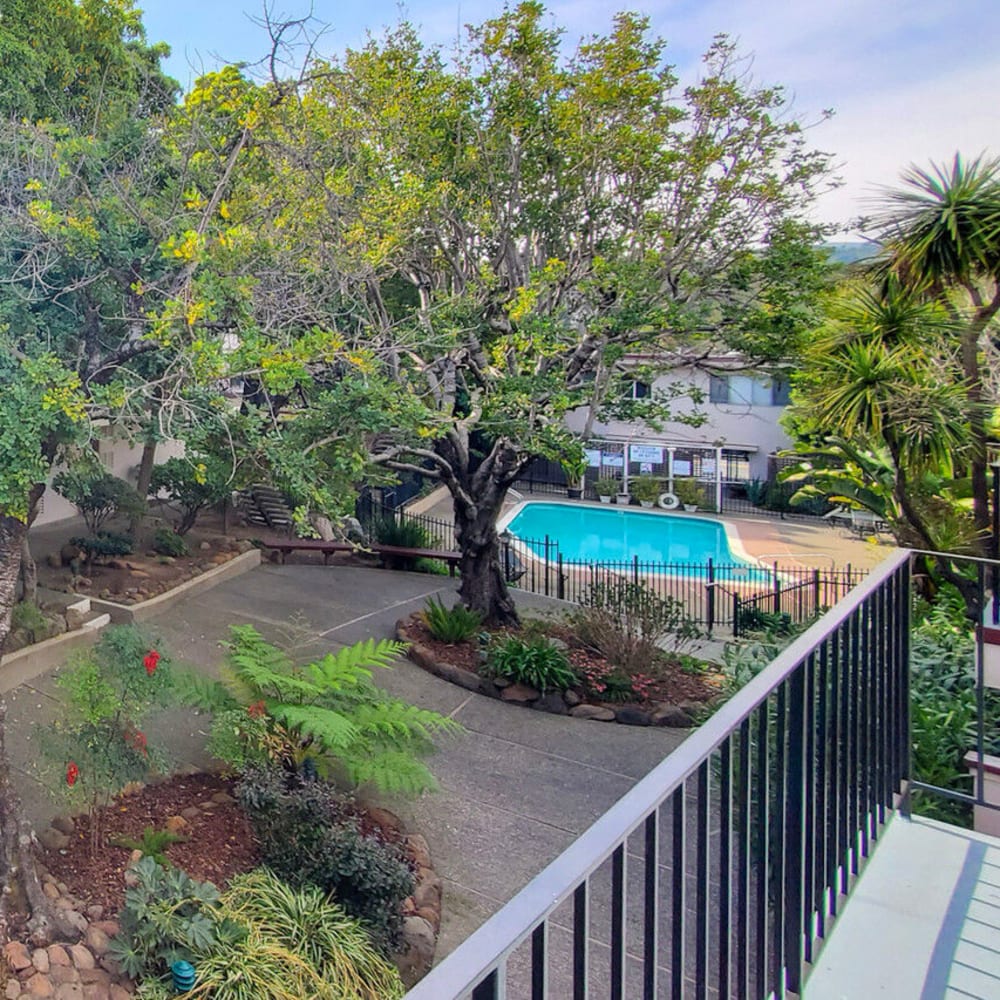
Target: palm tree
x,y
941,238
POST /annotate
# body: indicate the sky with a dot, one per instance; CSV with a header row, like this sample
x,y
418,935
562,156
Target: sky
x,y
909,81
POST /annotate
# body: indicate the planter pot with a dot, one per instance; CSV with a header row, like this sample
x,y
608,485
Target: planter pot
x,y
623,499
645,503
604,499
690,507
573,493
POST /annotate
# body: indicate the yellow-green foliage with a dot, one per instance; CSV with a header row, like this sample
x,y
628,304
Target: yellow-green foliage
x,y
299,943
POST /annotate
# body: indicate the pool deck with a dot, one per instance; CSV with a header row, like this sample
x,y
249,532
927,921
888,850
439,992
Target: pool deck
x,y
802,542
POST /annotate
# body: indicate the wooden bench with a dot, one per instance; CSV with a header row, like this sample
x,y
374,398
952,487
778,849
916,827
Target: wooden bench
x,y
283,546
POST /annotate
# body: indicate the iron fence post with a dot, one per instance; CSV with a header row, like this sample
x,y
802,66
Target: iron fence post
x,y
710,601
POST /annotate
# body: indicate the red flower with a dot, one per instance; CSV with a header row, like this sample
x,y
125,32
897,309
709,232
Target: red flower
x,y
150,660
72,773
256,710
137,740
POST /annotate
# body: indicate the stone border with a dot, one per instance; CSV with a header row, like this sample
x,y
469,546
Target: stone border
x,y
87,963
125,614
555,703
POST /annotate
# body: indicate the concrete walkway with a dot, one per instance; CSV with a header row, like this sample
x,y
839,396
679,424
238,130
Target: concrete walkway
x,y
517,787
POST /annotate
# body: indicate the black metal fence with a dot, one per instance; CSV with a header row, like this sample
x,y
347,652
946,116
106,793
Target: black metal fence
x,y
714,595
720,872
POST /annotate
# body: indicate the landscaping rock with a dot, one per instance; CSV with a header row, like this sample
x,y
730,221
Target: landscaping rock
x,y
597,713
419,850
556,643
422,657
40,960
428,890
192,812
572,698
13,990
82,957
418,948
52,839
501,682
51,890
176,824
17,956
64,824
96,940
58,956
385,819
673,716
552,702
223,799
521,694
39,986
463,678
629,716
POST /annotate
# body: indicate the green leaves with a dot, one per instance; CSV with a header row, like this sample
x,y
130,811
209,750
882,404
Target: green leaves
x,y
270,711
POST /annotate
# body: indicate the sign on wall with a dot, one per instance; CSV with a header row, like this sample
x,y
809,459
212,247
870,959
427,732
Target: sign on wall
x,y
645,453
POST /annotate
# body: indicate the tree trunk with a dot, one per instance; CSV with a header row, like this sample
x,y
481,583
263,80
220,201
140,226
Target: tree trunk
x,y
28,573
145,477
483,586
17,868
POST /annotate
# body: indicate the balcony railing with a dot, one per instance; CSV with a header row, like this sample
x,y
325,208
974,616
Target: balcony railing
x,y
720,872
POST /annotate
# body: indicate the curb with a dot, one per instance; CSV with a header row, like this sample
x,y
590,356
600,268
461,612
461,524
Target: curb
x,y
125,614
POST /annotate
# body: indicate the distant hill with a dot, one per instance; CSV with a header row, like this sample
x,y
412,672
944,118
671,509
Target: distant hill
x,y
848,253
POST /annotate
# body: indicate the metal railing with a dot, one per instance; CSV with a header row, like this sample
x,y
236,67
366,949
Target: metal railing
x,y
724,866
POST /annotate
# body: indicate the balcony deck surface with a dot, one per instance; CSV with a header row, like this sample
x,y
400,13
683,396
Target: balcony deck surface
x,y
923,922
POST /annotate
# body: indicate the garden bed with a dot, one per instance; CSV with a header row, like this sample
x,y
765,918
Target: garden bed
x,y
673,694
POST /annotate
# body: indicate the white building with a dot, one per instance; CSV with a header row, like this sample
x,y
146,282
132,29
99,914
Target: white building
x,y
740,431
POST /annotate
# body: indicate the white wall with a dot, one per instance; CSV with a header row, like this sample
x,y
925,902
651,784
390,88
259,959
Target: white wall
x,y
119,458
742,426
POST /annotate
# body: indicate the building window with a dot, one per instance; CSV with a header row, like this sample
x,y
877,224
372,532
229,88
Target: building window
x,y
747,390
640,390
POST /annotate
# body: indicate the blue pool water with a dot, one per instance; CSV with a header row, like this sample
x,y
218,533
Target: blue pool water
x,y
613,534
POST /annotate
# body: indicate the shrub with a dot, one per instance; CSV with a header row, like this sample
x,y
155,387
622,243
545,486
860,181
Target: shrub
x,y
456,624
688,492
607,684
268,710
645,488
628,623
168,543
97,495
390,530
193,485
168,917
97,745
943,709
153,844
299,943
535,662
607,487
753,618
103,545
28,616
308,836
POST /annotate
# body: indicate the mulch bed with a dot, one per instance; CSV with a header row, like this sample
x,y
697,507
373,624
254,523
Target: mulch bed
x,y
220,841
670,682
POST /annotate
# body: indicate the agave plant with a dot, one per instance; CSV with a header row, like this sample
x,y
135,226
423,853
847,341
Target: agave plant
x,y
268,710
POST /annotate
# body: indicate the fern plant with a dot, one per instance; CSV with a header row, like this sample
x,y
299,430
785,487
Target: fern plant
x,y
268,710
451,625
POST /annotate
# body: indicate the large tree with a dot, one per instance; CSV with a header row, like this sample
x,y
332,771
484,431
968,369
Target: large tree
x,y
496,232
941,239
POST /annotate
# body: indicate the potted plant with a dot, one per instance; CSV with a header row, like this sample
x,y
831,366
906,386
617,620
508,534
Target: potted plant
x,y
646,489
575,469
688,492
606,489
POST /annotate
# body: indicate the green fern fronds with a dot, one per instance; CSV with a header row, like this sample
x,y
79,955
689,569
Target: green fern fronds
x,y
349,665
268,708
199,691
392,771
329,731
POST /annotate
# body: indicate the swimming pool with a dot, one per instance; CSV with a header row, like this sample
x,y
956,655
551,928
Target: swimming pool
x,y
585,533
